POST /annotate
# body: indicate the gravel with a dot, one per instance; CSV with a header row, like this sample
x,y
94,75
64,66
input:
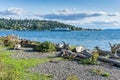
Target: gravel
x,y
27,53
62,69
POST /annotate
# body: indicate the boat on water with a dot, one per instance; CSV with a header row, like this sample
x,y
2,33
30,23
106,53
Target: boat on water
x,y
60,29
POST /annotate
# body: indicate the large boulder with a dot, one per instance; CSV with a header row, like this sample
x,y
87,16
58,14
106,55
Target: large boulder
x,y
79,49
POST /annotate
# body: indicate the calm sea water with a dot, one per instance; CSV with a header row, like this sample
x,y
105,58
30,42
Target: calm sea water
x,y
88,39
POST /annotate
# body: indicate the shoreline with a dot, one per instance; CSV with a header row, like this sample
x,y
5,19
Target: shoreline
x,y
61,68
64,68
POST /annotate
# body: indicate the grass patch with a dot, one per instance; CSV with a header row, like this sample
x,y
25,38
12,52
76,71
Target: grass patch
x,y
100,72
72,77
92,60
16,69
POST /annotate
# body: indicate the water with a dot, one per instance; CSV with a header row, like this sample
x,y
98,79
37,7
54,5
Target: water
x,y
88,39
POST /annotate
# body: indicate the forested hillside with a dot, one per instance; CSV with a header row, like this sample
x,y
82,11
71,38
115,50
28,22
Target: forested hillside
x,y
17,24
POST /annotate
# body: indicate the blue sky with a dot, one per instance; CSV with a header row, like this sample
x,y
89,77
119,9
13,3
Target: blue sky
x,y
85,13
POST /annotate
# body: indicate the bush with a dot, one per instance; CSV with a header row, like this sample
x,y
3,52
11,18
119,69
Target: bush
x,y
72,47
92,60
45,47
8,43
105,74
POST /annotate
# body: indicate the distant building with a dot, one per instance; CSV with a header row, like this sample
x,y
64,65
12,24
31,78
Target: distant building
x,y
61,29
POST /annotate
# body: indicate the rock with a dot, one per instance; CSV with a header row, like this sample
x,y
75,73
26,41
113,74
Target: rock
x,y
60,45
17,47
79,49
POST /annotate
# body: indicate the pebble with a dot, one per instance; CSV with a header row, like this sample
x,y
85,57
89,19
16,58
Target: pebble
x,y
62,69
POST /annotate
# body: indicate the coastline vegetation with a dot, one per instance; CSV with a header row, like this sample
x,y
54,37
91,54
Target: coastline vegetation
x,y
16,69
18,24
45,47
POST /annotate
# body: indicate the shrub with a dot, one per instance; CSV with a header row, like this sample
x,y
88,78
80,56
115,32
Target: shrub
x,y
92,60
8,42
45,47
105,74
72,47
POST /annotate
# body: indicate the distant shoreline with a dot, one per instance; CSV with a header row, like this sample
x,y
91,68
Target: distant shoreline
x,y
55,30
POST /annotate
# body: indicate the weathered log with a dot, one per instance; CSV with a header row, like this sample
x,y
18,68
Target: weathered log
x,y
30,45
102,52
81,56
112,61
105,53
59,46
114,47
69,54
87,53
66,46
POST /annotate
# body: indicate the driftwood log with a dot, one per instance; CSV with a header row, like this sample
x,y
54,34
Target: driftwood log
x,y
112,53
27,43
102,52
59,46
69,54
114,48
86,55
111,61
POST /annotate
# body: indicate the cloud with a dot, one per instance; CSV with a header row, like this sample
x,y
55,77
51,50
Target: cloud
x,y
71,16
12,11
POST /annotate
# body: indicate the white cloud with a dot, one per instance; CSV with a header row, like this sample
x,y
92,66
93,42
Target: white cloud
x,y
93,18
67,15
12,11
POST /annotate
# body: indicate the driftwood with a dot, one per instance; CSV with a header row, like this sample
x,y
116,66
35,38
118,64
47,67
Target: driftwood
x,y
27,43
69,54
112,61
30,45
105,53
59,46
86,53
102,52
114,48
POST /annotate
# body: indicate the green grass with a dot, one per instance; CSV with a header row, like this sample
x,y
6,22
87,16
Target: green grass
x,y
100,72
16,69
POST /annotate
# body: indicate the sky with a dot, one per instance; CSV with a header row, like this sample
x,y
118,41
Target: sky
x,y
103,14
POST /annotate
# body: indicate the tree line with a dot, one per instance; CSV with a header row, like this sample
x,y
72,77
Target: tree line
x,y
18,24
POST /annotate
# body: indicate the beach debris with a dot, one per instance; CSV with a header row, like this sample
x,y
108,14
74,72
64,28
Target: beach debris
x,y
112,54
102,52
79,49
28,43
114,62
60,46
69,54
17,47
114,50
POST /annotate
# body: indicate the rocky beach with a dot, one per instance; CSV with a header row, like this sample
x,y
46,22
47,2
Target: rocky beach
x,y
60,69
